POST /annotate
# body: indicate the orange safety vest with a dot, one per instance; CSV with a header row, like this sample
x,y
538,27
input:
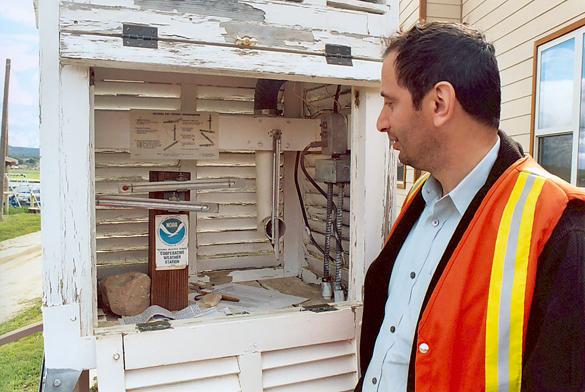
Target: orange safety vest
x,y
471,334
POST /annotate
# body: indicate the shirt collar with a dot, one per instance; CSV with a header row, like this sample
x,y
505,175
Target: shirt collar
x,y
465,191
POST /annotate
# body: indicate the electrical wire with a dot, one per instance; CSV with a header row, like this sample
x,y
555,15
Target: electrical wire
x,y
319,189
303,210
336,104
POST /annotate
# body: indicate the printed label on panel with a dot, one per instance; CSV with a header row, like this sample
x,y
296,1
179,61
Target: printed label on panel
x,y
172,241
164,135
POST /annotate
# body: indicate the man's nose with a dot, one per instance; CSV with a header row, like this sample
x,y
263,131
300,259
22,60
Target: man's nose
x,y
382,123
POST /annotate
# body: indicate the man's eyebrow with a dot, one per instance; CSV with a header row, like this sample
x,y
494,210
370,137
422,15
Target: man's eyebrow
x,y
386,95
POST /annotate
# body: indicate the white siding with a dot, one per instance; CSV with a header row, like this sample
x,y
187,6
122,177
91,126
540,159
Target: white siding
x,y
443,10
409,13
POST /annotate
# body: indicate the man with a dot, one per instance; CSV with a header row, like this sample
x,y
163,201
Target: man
x,y
481,284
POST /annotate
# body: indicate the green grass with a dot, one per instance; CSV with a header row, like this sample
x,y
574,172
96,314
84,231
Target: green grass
x,y
18,223
30,315
20,362
29,174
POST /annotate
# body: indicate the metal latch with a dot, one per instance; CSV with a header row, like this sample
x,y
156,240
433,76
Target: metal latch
x,y
320,308
140,36
338,54
153,326
58,380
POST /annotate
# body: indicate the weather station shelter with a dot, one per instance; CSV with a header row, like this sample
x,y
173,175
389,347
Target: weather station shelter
x,y
226,153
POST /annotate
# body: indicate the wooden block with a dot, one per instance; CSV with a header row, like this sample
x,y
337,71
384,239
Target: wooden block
x,y
170,288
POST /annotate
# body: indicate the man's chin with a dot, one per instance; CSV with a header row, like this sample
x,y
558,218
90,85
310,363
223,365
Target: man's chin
x,y
403,159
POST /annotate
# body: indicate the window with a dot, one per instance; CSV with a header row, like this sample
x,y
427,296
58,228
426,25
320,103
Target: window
x,y
559,118
400,175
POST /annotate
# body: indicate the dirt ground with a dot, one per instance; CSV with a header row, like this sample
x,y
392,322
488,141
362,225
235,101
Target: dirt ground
x,y
20,273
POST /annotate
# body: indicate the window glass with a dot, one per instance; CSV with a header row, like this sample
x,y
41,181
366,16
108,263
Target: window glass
x,y
555,154
556,86
400,172
581,161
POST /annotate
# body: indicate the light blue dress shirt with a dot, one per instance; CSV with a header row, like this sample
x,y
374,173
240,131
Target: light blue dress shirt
x,y
413,270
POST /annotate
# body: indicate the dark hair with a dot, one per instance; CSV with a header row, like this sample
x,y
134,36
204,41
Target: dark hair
x,y
451,52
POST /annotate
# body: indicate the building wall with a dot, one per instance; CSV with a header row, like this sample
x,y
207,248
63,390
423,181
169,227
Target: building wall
x,y
409,13
443,10
513,27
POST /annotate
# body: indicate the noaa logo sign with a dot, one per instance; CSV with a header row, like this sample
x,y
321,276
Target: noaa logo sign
x,y
172,241
172,231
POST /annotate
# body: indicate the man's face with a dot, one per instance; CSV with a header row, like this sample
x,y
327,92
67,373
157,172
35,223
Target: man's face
x,y
408,129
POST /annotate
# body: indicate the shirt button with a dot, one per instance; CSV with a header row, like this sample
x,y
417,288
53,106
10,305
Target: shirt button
x,y
435,222
392,329
412,275
423,348
374,380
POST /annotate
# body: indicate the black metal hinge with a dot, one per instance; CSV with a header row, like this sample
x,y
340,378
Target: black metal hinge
x,y
319,308
338,54
153,326
140,36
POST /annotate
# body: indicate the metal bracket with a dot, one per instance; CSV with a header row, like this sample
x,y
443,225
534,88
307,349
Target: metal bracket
x,y
153,326
140,36
338,54
59,380
320,308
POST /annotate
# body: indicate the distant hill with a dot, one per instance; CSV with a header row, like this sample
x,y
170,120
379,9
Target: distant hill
x,y
23,152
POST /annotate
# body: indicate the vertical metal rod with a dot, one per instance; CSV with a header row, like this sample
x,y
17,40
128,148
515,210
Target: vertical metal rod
x,y
4,135
276,147
328,231
338,250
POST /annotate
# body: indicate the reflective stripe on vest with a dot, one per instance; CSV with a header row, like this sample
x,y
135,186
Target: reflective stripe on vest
x,y
415,187
505,314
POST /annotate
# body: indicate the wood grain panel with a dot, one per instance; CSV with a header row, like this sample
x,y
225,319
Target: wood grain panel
x,y
169,288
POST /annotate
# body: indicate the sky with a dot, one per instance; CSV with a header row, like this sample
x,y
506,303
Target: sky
x,y
19,42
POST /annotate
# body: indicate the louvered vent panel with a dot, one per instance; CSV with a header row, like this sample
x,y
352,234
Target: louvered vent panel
x,y
231,233
208,375
122,233
322,367
368,6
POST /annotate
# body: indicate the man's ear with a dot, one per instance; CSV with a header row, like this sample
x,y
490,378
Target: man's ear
x,y
443,103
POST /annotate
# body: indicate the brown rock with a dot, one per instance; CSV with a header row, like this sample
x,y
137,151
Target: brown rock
x,y
126,294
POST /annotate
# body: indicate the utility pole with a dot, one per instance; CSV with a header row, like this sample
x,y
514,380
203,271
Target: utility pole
x,y
4,137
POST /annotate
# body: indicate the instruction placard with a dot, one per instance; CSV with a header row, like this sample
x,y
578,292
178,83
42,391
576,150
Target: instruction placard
x,y
168,135
172,241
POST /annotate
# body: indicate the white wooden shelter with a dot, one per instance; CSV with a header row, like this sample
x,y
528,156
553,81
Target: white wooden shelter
x,y
208,56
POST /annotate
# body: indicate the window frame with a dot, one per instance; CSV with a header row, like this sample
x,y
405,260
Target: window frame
x,y
574,31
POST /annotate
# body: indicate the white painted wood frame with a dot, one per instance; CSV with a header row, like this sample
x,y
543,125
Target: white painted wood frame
x,y
68,225
270,25
110,363
372,180
210,44
293,236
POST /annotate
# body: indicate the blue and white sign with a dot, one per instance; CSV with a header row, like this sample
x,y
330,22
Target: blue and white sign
x,y
172,241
